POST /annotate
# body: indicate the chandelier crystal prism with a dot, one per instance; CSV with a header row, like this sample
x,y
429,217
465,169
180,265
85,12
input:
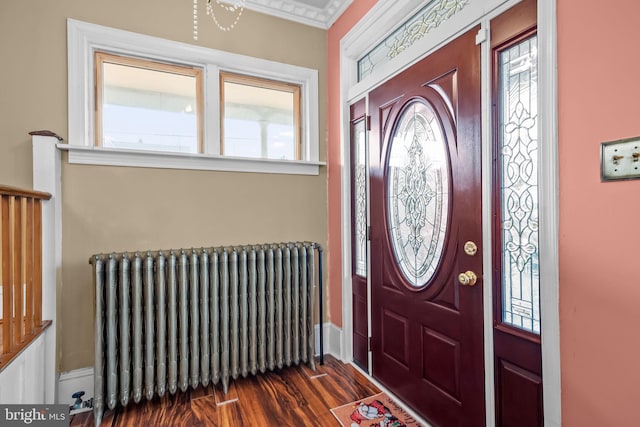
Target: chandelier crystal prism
x,y
233,8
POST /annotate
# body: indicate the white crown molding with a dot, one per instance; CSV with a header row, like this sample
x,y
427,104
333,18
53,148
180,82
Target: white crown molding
x,y
300,12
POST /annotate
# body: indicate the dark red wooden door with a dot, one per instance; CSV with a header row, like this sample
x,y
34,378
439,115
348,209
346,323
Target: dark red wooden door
x,y
425,156
359,260
516,333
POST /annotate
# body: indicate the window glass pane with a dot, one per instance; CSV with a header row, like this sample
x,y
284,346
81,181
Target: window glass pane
x,y
272,107
519,185
418,192
360,198
243,138
280,141
422,22
148,109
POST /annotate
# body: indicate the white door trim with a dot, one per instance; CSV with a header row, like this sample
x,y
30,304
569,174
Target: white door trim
x,y
366,34
549,208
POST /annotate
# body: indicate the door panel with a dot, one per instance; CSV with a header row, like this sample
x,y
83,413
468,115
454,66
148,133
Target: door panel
x,y
441,364
425,146
517,345
519,394
359,259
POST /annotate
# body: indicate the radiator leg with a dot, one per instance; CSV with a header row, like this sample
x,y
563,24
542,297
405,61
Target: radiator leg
x,y
98,281
224,321
262,312
279,309
183,322
194,320
205,359
295,305
271,310
234,321
172,320
98,412
286,298
244,313
215,317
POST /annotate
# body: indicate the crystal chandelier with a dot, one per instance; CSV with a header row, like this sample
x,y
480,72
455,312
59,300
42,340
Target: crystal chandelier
x,y
235,8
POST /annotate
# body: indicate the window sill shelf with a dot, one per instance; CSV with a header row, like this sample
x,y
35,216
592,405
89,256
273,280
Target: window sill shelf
x,y
166,160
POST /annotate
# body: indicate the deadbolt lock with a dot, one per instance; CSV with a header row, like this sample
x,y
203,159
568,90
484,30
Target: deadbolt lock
x,y
468,278
470,248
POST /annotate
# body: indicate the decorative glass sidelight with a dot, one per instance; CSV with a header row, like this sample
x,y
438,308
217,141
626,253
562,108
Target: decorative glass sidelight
x,y
360,198
518,133
418,192
422,22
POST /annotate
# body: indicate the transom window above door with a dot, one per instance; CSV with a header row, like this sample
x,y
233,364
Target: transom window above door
x,y
429,17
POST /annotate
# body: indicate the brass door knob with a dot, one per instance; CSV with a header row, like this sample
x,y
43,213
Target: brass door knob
x,y
470,248
468,278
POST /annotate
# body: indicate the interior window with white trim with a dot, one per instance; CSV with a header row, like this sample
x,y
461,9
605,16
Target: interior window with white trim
x,y
143,101
147,105
260,117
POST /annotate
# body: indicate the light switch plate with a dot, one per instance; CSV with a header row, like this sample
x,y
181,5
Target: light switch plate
x,y
620,159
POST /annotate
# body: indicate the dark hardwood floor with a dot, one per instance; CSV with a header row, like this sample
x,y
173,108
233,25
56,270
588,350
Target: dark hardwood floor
x,y
295,396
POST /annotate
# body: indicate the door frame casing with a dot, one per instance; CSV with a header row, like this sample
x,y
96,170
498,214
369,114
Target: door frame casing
x,y
363,36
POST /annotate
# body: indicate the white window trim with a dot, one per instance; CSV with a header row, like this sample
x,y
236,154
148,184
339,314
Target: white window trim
x,y
83,39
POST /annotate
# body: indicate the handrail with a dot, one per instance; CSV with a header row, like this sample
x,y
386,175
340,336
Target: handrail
x,y
6,190
20,270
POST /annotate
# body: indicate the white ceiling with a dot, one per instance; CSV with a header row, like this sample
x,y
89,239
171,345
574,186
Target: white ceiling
x,y
317,13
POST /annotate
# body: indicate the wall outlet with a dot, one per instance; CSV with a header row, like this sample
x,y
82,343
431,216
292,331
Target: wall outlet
x,y
620,159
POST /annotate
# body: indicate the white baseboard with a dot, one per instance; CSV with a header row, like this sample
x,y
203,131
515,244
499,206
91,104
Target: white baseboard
x,y
332,339
82,379
77,380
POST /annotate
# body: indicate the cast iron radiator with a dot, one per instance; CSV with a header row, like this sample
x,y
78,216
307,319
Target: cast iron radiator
x,y
167,320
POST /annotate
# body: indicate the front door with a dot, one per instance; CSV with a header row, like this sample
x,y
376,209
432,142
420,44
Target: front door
x,y
426,235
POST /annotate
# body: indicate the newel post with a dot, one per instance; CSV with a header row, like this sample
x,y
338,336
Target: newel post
x,y
47,178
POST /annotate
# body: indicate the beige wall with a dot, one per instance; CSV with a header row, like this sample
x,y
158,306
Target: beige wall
x,y
112,208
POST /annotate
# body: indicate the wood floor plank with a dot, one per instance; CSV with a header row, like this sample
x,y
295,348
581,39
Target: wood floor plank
x,y
221,398
84,419
310,388
344,384
270,397
200,392
229,415
205,411
294,396
168,410
108,419
328,420
320,369
227,409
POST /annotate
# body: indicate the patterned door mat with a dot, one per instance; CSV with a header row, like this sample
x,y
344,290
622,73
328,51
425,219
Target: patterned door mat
x,y
378,410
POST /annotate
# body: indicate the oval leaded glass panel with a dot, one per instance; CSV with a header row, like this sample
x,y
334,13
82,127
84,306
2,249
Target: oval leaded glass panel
x,y
418,192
